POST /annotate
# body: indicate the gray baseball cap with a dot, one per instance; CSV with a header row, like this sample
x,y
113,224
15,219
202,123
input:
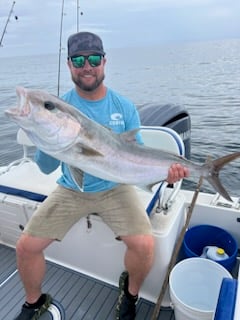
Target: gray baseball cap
x,y
81,42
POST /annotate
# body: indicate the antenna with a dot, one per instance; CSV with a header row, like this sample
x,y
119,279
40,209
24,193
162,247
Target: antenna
x,y
8,19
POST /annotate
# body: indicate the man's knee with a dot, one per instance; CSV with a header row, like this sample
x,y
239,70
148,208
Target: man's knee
x,y
23,246
28,245
142,244
147,246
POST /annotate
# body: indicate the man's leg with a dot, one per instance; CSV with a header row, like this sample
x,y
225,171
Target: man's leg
x,y
138,259
31,264
123,211
138,262
49,222
31,267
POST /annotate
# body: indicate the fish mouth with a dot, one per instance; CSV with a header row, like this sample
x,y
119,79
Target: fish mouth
x,y
23,108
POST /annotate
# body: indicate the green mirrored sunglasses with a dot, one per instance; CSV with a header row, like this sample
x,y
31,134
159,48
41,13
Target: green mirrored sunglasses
x,y
94,60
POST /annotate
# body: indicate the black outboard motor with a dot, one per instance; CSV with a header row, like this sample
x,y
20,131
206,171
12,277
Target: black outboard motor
x,y
169,115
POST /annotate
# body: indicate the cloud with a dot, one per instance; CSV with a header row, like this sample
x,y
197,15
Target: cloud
x,y
120,22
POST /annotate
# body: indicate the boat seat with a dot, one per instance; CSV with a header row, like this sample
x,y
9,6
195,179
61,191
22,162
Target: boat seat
x,y
169,140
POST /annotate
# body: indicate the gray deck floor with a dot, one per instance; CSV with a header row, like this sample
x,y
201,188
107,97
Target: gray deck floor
x,y
81,297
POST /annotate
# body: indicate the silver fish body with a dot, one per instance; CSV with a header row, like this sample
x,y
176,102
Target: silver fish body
x,y
65,133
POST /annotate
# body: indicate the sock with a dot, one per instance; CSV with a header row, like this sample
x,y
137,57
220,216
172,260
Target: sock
x,y
128,294
41,300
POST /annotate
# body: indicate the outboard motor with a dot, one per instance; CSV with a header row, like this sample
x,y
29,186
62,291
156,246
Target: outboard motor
x,y
169,115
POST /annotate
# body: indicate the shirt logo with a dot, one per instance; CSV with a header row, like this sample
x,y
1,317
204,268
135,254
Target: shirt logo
x,y
116,119
116,116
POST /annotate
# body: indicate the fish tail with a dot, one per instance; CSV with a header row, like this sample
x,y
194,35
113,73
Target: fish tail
x,y
214,168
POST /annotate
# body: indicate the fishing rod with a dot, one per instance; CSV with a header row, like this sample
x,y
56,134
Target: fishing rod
x,y
8,19
60,41
60,49
78,13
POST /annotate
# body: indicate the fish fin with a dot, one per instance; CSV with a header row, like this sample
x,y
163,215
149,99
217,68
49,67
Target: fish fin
x,y
77,176
129,136
215,166
87,151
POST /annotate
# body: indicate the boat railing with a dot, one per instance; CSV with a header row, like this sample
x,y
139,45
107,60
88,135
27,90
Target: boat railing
x,y
166,139
26,143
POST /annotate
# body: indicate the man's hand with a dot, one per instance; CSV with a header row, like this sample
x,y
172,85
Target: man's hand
x,y
177,172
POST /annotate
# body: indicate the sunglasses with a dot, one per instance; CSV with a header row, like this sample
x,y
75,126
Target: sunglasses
x,y
94,60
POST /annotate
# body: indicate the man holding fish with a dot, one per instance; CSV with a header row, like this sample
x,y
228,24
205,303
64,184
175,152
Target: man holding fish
x,y
80,193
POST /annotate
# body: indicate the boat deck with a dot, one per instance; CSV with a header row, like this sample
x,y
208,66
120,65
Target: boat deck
x,y
81,296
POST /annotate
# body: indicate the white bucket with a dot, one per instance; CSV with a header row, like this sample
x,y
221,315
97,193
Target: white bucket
x,y
194,288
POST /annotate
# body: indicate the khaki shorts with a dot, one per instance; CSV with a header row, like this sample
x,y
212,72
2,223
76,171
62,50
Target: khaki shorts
x,y
120,208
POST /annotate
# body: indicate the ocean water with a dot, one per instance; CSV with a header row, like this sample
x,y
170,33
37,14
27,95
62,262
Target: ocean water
x,y
203,77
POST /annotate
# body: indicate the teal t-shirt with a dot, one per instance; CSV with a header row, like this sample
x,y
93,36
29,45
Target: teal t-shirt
x,y
113,111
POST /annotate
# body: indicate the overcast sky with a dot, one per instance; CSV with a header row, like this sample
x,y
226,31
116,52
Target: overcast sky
x,y
34,27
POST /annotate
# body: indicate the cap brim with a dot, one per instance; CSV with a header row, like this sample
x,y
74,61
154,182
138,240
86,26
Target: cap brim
x,y
82,52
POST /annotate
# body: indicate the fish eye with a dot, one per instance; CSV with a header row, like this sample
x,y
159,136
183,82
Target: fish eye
x,y
49,105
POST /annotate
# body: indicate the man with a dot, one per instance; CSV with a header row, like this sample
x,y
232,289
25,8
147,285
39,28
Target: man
x,y
116,204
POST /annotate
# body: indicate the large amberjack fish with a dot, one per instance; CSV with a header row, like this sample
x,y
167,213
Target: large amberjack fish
x,y
65,133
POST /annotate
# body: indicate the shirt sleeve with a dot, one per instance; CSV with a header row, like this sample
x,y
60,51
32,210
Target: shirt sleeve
x,y
45,162
134,122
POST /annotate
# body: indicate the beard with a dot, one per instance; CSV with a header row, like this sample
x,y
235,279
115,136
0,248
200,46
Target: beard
x,y
88,87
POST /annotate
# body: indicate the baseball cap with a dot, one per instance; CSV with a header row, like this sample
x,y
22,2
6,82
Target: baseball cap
x,y
84,42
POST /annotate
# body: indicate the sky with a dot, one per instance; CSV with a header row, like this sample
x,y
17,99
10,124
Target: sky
x,y
35,26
